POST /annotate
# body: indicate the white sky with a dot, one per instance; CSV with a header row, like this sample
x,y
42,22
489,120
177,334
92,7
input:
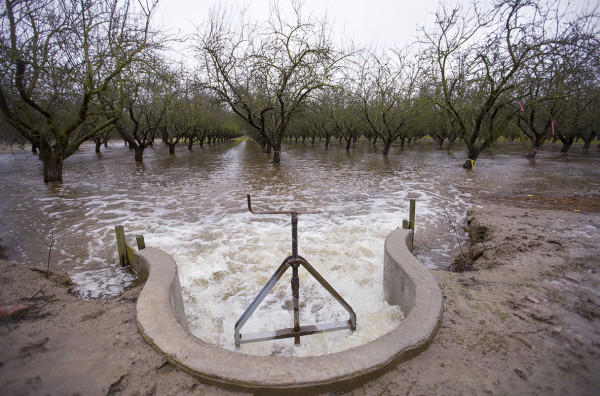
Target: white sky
x,y
383,22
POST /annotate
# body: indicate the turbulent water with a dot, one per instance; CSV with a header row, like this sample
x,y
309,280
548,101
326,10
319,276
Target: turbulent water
x,y
193,206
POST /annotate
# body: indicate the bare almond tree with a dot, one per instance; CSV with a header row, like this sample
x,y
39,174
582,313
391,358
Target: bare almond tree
x,y
542,96
137,102
265,71
57,56
345,113
386,89
476,59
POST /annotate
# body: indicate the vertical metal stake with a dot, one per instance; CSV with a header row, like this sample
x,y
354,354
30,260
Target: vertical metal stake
x,y
295,235
295,278
411,214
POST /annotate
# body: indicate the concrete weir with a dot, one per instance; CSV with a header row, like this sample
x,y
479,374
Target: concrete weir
x,y
407,282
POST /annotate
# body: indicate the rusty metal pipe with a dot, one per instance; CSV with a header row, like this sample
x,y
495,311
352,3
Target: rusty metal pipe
x,y
297,212
295,277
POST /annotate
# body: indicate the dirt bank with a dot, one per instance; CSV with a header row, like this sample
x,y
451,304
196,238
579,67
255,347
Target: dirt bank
x,y
526,321
66,346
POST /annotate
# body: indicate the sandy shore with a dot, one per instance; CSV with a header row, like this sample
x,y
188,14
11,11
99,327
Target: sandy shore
x,y
524,321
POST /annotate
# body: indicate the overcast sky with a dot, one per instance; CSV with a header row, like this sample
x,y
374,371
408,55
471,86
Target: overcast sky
x,y
383,22
386,23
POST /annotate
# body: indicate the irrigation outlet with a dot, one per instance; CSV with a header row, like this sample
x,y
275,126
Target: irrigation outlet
x,y
407,282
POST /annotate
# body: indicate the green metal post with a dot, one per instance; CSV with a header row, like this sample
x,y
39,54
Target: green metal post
x,y
411,219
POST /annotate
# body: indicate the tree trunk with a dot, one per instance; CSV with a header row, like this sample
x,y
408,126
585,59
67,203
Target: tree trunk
x,y
566,146
138,154
451,143
536,144
374,140
327,139
98,144
533,151
402,140
172,148
348,142
473,154
588,141
52,168
567,142
386,146
190,143
276,156
34,149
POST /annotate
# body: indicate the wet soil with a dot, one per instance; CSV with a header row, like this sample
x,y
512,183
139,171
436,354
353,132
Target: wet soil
x,y
577,203
525,320
66,346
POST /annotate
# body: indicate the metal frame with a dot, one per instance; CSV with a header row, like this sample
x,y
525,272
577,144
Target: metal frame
x,y
293,261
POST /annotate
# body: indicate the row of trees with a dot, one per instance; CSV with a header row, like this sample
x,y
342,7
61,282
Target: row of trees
x,y
79,70
519,66
75,70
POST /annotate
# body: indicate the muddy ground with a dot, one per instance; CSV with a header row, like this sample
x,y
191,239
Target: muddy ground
x,y
524,320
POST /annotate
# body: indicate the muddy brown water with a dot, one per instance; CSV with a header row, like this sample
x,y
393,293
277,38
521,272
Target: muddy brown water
x,y
192,205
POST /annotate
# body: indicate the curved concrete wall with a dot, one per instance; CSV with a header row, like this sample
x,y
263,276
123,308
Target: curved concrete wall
x,y
162,322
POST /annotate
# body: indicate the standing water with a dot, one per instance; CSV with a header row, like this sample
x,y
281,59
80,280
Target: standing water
x,y
192,205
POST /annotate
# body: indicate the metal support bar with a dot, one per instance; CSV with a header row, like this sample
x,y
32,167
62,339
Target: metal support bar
x,y
294,235
293,261
295,279
260,297
290,332
278,211
331,291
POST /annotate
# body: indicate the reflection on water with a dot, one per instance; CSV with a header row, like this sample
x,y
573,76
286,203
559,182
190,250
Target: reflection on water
x,y
193,206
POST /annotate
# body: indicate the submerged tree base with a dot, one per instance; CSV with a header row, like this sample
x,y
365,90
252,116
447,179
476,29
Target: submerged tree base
x,y
469,164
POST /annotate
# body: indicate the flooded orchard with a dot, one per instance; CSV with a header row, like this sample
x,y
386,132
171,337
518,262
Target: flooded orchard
x,y
193,206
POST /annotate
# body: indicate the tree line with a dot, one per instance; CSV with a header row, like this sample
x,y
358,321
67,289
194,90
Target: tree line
x,y
79,70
